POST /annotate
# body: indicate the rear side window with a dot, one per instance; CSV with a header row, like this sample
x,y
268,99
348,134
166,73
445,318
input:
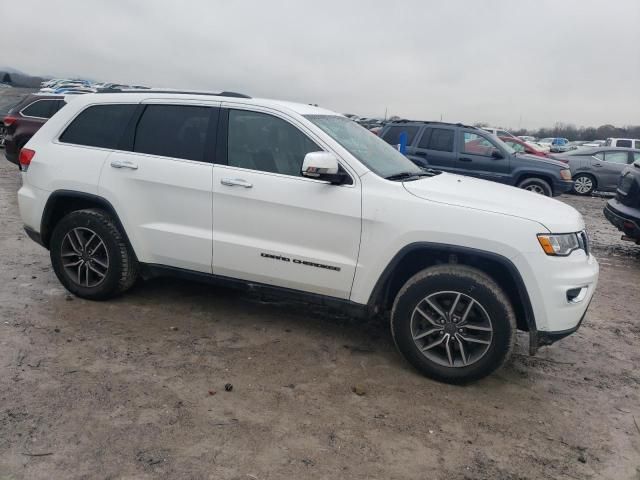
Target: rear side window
x,y
177,131
623,143
440,139
638,144
99,126
392,136
41,109
616,157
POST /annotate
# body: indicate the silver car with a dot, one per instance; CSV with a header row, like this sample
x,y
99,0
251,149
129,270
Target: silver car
x,y
597,168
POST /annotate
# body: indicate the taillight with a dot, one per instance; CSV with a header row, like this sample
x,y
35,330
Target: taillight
x,y
25,158
9,120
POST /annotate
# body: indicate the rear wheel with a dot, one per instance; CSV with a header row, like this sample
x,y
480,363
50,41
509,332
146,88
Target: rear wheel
x,y
583,184
453,323
536,185
90,255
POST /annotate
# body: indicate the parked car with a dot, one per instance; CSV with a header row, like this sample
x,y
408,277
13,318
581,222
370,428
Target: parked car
x,y
520,146
623,142
498,132
623,211
528,138
8,100
594,143
556,144
25,118
598,168
307,204
472,151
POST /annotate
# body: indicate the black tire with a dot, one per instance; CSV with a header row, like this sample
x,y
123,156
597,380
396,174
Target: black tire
x,y
122,270
536,185
584,184
474,284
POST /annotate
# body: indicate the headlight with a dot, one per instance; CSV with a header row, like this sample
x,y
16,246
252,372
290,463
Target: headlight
x,y
559,245
565,174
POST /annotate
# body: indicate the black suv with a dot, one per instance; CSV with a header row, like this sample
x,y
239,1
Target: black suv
x,y
623,211
466,150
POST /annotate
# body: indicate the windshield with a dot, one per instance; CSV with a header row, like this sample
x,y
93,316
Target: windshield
x,y
508,148
374,153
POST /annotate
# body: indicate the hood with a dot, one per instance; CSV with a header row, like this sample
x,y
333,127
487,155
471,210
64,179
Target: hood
x,y
488,196
536,158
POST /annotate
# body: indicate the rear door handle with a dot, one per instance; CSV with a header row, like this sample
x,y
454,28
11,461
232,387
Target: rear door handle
x,y
465,159
124,164
235,182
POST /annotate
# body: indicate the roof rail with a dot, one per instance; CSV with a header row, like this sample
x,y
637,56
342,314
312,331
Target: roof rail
x,y
458,124
165,90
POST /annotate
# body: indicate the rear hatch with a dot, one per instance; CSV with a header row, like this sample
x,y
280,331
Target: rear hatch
x,y
628,191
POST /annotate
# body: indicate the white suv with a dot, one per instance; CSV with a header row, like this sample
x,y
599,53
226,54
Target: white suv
x,y
299,200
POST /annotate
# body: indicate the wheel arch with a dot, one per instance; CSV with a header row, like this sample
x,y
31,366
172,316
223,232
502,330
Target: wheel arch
x,y
418,256
63,202
546,176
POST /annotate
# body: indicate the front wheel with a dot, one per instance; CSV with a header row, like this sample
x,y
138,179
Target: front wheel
x,y
536,185
583,184
90,255
453,323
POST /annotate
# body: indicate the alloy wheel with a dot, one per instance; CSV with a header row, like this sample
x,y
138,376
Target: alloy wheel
x,y
583,184
85,257
451,329
535,189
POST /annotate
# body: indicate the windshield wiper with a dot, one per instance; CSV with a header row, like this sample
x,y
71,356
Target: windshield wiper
x,y
408,175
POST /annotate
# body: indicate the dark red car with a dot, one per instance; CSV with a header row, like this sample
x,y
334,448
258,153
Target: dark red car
x,y
522,146
25,119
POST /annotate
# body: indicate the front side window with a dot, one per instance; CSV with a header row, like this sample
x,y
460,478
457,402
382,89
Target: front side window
x,y
624,143
259,141
368,149
176,131
477,145
99,126
392,135
41,109
616,157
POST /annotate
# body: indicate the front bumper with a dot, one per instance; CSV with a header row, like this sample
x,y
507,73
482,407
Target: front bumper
x,y
625,219
561,186
550,283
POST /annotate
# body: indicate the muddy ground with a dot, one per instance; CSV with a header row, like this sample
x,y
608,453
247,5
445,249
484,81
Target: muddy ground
x,y
135,387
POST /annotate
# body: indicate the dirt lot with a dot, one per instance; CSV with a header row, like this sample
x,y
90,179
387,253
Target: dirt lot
x,y
134,388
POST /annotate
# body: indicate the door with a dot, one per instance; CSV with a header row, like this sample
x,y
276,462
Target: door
x,y
162,189
435,149
475,158
608,167
273,226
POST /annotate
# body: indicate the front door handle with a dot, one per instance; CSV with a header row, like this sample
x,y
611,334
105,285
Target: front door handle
x,y
235,182
124,164
465,159
597,164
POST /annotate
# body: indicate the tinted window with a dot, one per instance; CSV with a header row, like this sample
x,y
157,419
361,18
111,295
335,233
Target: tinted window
x,y
440,139
623,143
263,142
637,143
41,109
99,126
392,136
176,131
616,157
477,145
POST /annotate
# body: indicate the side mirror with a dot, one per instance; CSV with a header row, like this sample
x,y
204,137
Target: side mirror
x,y
323,166
497,154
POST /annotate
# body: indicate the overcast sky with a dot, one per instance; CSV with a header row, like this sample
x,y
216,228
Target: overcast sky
x,y
508,63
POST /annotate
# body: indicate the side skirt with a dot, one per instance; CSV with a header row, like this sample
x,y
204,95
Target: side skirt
x,y
150,270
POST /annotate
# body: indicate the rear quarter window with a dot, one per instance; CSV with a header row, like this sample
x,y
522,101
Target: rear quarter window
x,y
99,126
623,143
40,109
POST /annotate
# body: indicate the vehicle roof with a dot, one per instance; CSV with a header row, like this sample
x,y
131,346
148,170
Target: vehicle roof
x,y
603,148
136,96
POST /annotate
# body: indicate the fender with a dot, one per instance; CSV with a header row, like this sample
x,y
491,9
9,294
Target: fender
x,y
84,200
379,290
